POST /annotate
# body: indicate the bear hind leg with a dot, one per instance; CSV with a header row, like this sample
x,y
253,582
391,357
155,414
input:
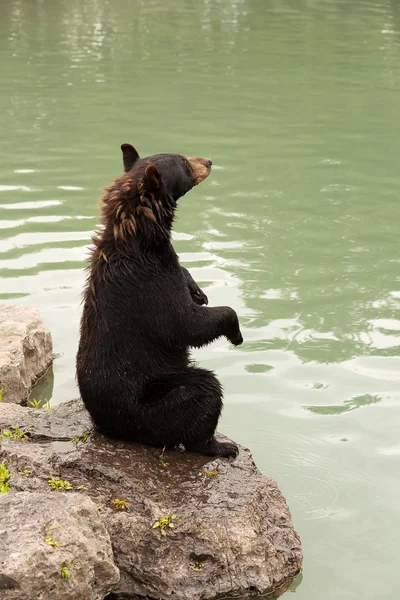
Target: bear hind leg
x,y
184,408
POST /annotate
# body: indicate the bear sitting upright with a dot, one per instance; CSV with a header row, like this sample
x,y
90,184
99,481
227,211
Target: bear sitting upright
x,y
143,311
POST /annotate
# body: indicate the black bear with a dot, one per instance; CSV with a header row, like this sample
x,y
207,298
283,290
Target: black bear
x,y
143,311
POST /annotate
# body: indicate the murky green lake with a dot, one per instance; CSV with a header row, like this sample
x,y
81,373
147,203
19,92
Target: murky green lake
x,y
298,104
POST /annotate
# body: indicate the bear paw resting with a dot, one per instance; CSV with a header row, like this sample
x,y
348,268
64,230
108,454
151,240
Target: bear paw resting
x,y
221,449
199,297
215,448
143,312
233,333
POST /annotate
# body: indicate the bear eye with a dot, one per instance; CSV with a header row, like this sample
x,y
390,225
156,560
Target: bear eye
x,y
186,166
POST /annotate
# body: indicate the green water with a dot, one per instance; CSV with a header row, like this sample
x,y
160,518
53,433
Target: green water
x,y
297,103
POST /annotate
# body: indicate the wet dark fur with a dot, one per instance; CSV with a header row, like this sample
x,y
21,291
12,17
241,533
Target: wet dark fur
x,y
143,311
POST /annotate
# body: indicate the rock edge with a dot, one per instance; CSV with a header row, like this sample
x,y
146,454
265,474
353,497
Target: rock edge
x,y
26,350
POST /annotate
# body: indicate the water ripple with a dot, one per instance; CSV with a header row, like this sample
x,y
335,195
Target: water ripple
x,y
15,188
34,204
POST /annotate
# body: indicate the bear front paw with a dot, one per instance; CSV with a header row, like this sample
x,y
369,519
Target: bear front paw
x,y
199,297
237,339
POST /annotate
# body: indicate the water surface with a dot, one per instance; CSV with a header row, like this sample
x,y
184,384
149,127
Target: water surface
x,y
297,102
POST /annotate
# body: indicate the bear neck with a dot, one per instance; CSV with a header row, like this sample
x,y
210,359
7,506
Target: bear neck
x,y
134,219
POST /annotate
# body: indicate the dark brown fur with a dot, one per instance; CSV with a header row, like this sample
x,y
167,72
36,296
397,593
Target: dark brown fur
x,y
143,311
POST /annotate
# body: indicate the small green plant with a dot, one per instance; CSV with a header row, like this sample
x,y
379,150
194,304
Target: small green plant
x,y
34,403
164,523
5,477
196,566
100,508
1,394
59,484
15,433
65,573
84,438
49,540
163,462
211,472
27,473
39,404
49,536
121,504
81,488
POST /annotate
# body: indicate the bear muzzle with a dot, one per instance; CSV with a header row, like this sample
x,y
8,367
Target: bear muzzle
x,y
201,168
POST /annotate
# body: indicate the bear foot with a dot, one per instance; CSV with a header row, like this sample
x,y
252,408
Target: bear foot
x,y
216,449
227,450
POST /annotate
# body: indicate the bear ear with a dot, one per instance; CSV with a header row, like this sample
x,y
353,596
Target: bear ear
x,y
151,179
129,155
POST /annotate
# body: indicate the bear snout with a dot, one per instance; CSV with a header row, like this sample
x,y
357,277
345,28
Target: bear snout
x,y
201,168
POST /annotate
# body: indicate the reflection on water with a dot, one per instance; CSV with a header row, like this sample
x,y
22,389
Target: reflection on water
x,y
296,101
42,392
350,404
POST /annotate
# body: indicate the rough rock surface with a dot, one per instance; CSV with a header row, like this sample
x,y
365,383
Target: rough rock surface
x,y
25,350
232,534
30,567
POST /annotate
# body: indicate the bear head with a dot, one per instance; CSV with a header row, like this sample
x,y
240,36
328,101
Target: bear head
x,y
175,173
142,202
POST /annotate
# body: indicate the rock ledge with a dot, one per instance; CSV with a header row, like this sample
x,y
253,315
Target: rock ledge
x,y
232,532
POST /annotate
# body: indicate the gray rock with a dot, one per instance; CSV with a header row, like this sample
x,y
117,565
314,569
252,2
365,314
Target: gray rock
x,y
30,567
25,350
232,534
67,421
